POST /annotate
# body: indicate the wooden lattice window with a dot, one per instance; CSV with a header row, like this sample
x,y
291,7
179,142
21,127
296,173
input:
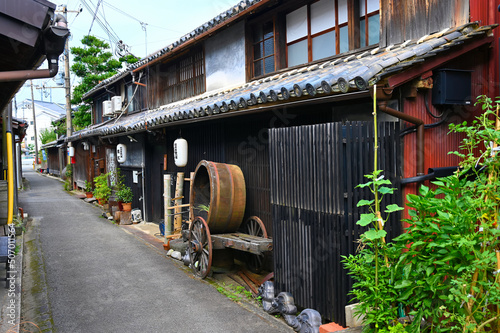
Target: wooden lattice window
x,y
183,77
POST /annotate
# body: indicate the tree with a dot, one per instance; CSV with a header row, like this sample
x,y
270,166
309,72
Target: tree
x,y
60,126
92,63
47,135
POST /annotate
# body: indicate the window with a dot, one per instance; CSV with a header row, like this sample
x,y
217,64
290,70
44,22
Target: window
x,y
135,95
182,78
263,49
316,31
291,36
369,22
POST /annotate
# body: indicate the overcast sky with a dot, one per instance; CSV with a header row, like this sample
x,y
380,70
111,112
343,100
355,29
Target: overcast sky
x,y
165,22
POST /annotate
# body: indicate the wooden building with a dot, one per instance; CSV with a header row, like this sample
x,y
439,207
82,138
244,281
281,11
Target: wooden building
x,y
284,89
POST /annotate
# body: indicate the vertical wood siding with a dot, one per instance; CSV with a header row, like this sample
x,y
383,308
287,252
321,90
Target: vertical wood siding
x,y
314,173
411,19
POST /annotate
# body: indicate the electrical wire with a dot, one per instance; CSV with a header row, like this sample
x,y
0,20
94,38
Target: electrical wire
x,y
412,129
136,19
429,110
113,37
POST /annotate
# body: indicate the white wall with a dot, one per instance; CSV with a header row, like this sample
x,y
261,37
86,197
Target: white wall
x,y
43,121
225,58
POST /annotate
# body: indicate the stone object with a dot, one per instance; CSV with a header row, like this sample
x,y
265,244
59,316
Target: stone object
x,y
350,318
176,255
125,218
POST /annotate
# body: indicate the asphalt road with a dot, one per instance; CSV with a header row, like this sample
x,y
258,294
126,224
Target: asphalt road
x,y
85,274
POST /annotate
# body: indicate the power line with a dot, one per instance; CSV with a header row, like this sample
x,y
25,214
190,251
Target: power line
x,y
113,37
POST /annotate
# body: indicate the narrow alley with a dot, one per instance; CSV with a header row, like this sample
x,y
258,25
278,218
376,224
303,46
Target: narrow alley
x,y
82,273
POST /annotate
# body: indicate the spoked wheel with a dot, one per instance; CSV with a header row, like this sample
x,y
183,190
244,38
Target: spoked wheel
x,y
200,247
255,227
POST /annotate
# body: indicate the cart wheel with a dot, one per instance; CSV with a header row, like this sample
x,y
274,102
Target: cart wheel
x,y
255,227
200,247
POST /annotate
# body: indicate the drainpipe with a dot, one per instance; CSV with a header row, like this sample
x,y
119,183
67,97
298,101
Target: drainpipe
x,y
53,42
382,105
23,75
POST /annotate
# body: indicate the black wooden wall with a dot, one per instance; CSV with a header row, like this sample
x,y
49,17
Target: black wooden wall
x,y
314,173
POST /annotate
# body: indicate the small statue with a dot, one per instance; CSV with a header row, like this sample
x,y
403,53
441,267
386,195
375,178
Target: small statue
x,y
308,321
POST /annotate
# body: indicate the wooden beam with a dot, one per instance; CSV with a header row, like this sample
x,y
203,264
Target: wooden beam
x,y
178,206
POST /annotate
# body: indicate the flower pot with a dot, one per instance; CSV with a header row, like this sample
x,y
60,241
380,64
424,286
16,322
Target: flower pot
x,y
127,206
89,194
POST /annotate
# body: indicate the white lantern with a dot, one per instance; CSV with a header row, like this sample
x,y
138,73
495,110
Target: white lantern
x,y
71,151
121,153
180,152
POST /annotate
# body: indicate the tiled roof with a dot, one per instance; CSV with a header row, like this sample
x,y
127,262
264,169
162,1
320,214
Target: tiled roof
x,y
351,73
221,18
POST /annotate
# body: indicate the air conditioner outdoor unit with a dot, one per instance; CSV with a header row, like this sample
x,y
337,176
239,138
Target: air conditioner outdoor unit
x,y
116,102
106,109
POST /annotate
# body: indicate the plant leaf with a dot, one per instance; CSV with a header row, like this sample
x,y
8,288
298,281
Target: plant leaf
x,y
364,203
373,234
392,208
366,219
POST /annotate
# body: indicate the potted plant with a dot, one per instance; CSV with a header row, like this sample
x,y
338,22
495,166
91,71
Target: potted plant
x,y
88,189
102,191
125,195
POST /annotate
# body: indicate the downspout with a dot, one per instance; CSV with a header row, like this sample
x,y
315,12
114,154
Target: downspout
x,y
384,96
10,166
23,75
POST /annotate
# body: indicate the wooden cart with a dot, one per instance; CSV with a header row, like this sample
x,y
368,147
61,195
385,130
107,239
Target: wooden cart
x,y
217,200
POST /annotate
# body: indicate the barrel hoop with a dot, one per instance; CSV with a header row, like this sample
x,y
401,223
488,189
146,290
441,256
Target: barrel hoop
x,y
216,197
230,215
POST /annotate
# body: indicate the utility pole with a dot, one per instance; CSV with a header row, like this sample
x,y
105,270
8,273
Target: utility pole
x,y
34,124
69,126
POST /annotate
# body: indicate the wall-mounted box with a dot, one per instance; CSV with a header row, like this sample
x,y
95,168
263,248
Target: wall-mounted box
x,y
452,86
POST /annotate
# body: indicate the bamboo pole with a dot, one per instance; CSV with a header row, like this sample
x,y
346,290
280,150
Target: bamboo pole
x,y
191,180
167,195
178,193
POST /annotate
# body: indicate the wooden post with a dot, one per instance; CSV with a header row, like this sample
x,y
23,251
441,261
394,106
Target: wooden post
x,y
167,195
178,193
191,179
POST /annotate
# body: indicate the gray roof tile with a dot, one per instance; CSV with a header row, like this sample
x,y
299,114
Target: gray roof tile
x,y
350,73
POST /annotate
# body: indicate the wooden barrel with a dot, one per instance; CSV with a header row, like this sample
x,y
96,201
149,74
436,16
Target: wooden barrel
x,y
218,194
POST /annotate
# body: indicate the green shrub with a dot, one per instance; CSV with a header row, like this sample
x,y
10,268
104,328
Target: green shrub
x,y
125,194
102,191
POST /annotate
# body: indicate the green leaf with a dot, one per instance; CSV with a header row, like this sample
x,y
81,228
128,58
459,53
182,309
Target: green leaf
x,y
406,295
373,234
402,284
365,185
366,219
365,203
393,208
385,190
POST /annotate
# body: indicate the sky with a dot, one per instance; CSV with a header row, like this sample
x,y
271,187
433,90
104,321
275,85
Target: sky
x,y
165,22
